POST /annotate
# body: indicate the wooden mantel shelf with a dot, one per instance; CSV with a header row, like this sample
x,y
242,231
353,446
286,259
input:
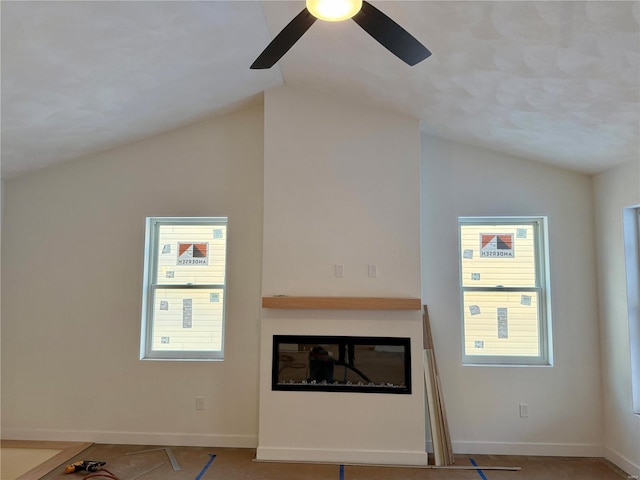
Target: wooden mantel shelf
x,y
342,303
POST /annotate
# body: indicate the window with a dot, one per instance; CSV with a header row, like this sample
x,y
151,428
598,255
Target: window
x,y
184,289
504,291
631,220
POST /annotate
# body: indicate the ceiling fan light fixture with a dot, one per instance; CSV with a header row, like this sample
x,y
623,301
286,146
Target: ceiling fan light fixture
x,y
334,10
382,28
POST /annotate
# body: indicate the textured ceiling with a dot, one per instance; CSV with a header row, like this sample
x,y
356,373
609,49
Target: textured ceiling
x,y
552,81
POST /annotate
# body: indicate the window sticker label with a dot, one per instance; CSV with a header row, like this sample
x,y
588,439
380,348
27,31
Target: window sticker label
x,y
187,313
496,245
467,254
475,276
217,233
170,274
503,326
474,309
525,300
190,253
164,305
214,297
166,248
521,233
478,344
164,340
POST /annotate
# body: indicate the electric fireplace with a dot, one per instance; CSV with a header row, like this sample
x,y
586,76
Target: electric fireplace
x,y
341,364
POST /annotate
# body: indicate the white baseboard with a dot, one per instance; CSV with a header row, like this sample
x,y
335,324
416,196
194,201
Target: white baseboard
x,y
360,457
322,455
134,438
534,449
622,462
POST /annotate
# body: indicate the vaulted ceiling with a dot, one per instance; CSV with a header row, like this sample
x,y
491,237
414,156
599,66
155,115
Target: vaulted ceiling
x,y
553,81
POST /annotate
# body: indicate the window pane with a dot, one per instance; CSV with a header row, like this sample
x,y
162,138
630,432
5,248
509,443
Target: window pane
x,y
494,255
188,319
192,254
501,323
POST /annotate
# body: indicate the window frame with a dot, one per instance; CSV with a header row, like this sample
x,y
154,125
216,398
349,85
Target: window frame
x,y
148,290
631,232
542,288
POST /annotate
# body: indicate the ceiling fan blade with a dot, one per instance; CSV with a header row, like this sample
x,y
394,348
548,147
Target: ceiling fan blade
x,y
284,40
391,35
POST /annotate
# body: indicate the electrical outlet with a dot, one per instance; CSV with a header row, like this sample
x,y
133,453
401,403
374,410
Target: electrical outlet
x,y
524,410
373,271
199,403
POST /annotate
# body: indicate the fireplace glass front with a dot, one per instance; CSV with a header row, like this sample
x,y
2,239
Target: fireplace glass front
x,y
341,364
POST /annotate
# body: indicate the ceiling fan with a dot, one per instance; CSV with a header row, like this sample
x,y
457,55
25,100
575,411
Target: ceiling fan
x,y
391,35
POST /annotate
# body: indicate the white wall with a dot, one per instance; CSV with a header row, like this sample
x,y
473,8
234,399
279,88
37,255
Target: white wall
x,y
616,189
72,242
341,187
482,402
72,258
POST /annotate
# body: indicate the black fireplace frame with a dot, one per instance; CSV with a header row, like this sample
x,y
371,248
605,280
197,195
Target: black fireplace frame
x,y
339,387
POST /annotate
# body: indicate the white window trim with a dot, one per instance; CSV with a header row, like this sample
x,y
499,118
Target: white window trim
x,y
631,224
150,271
545,359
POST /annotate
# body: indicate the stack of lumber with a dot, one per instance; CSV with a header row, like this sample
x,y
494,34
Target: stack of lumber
x,y
442,451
